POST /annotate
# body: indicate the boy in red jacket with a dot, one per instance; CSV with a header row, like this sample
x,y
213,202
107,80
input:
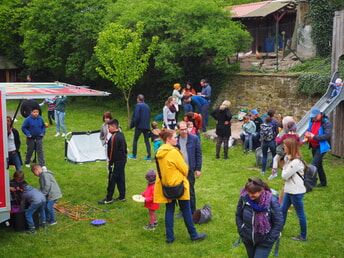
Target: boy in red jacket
x,y
149,204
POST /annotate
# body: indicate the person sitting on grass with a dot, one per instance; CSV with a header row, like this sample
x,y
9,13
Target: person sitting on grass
x,y
248,130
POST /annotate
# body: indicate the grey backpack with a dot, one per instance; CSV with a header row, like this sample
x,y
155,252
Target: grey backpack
x,y
203,215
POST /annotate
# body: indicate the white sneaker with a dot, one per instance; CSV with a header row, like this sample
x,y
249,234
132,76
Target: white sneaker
x,y
272,176
63,135
27,165
44,168
57,134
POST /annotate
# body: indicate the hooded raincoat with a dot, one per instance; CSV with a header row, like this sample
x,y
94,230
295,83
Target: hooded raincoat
x,y
173,171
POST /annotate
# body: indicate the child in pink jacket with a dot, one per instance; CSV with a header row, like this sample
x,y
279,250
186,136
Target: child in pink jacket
x,y
149,196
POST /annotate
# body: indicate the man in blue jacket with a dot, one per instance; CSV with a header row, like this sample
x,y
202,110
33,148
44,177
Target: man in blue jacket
x,y
141,122
203,107
190,146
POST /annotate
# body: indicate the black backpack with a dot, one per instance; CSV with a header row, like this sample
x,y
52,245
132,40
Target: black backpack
x,y
309,176
266,132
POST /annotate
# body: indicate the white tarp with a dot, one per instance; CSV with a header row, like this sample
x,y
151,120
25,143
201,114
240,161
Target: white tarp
x,y
84,147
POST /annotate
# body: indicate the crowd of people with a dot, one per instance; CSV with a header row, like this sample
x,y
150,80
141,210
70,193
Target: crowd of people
x,y
179,161
178,155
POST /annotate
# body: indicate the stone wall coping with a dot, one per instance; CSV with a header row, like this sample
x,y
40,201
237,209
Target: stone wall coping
x,y
267,74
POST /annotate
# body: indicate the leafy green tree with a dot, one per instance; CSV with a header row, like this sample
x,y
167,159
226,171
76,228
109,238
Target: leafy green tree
x,y
59,37
192,34
12,13
122,56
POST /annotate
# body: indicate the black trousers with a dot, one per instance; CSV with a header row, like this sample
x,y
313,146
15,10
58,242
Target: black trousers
x,y
116,177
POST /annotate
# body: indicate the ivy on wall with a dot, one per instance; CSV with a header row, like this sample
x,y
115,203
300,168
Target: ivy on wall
x,y
315,75
321,13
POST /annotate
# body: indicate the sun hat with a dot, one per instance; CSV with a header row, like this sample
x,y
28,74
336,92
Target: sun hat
x,y
315,112
339,80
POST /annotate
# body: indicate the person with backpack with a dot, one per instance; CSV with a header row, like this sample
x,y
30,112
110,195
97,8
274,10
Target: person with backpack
x,y
258,217
318,136
268,133
294,188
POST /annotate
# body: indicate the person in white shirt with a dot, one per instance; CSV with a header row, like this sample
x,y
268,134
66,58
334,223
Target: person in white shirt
x,y
294,188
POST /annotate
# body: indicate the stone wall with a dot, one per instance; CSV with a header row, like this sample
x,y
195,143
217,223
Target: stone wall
x,y
264,92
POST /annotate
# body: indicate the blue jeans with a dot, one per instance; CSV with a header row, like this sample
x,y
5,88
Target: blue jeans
x,y
59,119
265,146
31,210
248,144
14,159
317,161
49,211
255,139
297,201
261,250
169,218
116,177
137,134
187,107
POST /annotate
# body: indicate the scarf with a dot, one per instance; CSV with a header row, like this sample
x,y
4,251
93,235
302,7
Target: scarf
x,y
261,220
172,108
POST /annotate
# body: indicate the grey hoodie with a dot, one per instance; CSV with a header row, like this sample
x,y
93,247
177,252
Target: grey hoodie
x,y
49,186
31,195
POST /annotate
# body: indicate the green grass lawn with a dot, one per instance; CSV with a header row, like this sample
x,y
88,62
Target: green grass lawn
x,y
124,236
